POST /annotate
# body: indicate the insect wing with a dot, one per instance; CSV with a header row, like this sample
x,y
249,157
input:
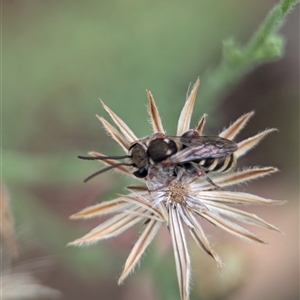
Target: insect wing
x,y
203,147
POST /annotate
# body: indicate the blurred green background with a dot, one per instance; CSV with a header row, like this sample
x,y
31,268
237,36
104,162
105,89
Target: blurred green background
x,y
60,57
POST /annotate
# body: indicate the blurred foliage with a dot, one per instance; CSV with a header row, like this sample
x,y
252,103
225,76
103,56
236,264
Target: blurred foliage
x,y
59,57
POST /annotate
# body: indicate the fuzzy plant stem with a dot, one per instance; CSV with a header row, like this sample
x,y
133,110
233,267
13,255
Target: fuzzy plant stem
x,y
265,45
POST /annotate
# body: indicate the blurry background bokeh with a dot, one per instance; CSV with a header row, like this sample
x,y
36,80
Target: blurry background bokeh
x,y
59,58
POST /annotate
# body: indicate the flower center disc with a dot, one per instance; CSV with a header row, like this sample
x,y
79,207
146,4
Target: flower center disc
x,y
177,192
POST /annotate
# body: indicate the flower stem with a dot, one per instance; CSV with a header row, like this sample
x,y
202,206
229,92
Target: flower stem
x,y
265,45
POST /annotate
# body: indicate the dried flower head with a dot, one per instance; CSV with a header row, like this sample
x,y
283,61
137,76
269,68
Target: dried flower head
x,y
178,191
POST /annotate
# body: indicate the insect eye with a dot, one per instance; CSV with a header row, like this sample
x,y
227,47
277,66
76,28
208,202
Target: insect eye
x,y
141,173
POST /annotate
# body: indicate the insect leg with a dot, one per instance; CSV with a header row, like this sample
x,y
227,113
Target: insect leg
x,y
195,169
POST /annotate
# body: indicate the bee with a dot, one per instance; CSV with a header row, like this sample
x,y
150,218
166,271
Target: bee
x,y
196,154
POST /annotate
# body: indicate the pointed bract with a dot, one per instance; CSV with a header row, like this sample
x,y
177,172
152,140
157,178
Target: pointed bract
x,y
139,248
186,113
201,124
121,125
248,144
97,210
231,132
244,176
201,239
229,226
181,254
110,228
115,134
155,119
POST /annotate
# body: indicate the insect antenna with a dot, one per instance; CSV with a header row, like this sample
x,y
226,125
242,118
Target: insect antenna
x,y
106,169
102,157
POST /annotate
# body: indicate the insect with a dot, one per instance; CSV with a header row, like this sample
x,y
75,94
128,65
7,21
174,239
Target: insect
x,y
196,154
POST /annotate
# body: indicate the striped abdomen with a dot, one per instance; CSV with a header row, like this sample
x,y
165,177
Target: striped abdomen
x,y
221,164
